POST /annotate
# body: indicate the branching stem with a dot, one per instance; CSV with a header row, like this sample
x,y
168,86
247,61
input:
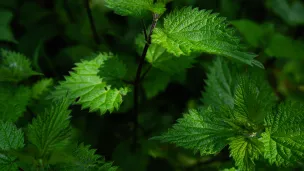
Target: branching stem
x,y
138,77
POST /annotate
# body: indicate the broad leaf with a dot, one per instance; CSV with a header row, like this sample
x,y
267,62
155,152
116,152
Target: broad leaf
x,y
291,48
253,97
284,136
219,85
113,71
91,84
190,30
51,130
203,131
14,67
13,101
131,7
244,151
252,32
11,138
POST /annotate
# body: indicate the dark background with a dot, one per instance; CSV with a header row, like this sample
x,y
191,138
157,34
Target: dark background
x,y
55,34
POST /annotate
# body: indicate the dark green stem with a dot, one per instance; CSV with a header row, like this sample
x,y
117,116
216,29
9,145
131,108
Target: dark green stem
x,y
144,30
145,73
138,78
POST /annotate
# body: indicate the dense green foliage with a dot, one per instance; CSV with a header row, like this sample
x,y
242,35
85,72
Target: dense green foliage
x,y
136,85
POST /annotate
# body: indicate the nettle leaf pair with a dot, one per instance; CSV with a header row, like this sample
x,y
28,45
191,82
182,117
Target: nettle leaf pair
x,y
240,111
99,83
49,134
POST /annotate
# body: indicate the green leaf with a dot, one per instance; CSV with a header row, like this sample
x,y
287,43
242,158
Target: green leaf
x,y
291,12
51,131
11,138
253,97
88,82
158,8
135,8
265,37
190,30
85,159
230,169
219,85
252,32
281,46
284,136
15,67
13,101
5,30
41,87
113,72
108,167
200,130
244,151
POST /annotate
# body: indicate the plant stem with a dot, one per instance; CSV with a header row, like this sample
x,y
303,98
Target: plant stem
x,y
145,73
92,24
138,78
145,29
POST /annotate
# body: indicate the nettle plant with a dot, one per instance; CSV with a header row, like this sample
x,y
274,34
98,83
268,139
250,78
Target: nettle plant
x,y
239,107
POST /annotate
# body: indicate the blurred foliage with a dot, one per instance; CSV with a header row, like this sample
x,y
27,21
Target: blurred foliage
x,y
55,34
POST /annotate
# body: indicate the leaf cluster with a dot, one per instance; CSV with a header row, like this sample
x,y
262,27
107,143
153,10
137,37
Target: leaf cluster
x,y
240,111
238,108
47,141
